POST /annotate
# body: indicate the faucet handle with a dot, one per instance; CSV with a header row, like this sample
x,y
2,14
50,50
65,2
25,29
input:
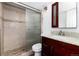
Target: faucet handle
x,y
61,32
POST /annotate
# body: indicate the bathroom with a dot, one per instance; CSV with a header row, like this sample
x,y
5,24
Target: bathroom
x,y
35,29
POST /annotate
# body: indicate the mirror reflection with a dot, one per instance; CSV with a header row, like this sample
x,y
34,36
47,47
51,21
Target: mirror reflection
x,y
67,15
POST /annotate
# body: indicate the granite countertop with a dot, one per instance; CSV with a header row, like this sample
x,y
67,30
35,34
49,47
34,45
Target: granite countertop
x,y
66,39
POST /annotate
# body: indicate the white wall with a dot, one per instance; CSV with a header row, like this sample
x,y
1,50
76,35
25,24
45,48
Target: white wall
x,y
46,27
46,22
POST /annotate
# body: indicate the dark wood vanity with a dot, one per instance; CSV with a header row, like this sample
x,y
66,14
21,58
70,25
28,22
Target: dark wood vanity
x,y
52,47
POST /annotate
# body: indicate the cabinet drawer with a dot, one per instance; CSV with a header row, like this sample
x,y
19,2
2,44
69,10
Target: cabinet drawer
x,y
70,46
56,43
52,42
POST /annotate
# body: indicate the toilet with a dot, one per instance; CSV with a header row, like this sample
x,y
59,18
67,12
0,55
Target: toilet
x,y
36,48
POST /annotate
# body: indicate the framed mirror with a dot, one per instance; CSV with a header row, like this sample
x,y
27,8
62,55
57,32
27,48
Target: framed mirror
x,y
55,15
64,15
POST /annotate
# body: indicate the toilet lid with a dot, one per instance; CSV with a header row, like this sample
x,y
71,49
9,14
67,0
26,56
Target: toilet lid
x,y
37,46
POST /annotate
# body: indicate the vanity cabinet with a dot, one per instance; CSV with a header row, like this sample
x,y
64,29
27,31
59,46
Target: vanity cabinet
x,y
52,47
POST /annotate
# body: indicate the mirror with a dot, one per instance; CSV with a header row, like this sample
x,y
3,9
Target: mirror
x,y
54,23
67,14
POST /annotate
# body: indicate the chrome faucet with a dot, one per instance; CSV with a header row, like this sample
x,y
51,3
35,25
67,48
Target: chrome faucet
x,y
61,33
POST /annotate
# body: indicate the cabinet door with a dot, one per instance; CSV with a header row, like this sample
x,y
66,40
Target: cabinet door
x,y
45,50
61,51
55,15
52,51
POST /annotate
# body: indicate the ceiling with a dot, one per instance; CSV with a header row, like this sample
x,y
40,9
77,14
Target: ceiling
x,y
37,5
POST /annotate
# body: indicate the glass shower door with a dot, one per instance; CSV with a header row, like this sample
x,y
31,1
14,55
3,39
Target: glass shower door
x,y
33,27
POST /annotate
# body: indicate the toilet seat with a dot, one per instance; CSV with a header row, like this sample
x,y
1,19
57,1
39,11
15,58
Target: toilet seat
x,y
37,47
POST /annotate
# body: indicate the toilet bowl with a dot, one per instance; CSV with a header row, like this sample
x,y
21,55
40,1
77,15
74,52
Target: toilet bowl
x,y
36,48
